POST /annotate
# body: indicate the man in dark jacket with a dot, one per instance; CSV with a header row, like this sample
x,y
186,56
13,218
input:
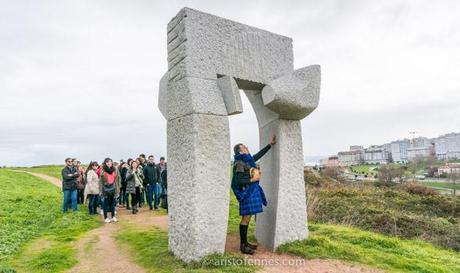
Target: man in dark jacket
x,y
69,184
152,182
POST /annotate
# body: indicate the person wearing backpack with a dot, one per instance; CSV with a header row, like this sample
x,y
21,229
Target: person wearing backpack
x,y
134,185
248,192
109,186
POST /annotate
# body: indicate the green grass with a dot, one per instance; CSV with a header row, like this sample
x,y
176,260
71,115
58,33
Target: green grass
x,y
388,253
54,259
149,248
443,185
388,210
364,169
51,170
31,210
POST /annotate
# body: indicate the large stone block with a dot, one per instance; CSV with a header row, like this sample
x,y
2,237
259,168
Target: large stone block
x,y
203,45
191,95
198,185
295,95
231,95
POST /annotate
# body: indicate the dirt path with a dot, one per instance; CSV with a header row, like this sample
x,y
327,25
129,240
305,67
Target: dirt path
x,y
52,180
98,252
97,249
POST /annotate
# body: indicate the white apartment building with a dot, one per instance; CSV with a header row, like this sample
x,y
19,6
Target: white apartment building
x,y
447,146
376,154
349,158
398,151
420,147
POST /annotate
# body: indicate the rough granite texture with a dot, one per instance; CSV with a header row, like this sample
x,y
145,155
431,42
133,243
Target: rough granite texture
x,y
296,95
209,60
231,95
198,185
284,219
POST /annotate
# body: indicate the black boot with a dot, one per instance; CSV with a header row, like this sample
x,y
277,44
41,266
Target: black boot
x,y
251,246
244,247
134,210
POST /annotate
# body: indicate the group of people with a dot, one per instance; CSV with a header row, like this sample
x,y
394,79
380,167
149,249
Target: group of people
x,y
140,179
127,184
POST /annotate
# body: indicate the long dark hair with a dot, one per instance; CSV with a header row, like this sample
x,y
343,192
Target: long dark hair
x,y
106,168
131,165
90,166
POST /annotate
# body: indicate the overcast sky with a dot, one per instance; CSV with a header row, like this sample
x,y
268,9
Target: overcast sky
x,y
80,78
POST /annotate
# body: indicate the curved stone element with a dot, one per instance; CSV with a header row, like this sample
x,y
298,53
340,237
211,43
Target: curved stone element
x,y
231,95
296,95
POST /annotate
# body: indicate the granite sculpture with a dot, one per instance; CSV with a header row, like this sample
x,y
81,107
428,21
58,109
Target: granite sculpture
x,y
209,60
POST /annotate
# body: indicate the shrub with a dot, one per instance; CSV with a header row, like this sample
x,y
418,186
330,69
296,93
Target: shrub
x,y
415,188
391,210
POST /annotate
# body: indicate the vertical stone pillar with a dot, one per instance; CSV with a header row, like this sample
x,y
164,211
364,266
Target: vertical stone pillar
x,y
285,217
198,188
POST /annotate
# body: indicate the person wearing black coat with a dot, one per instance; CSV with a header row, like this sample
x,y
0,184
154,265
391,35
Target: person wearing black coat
x,y
152,182
69,184
123,196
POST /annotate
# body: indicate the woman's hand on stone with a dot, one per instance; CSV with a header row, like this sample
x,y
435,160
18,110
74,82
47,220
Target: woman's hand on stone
x,y
273,141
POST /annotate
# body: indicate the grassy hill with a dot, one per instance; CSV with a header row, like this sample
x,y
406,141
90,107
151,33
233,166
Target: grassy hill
x,y
407,211
387,228
31,215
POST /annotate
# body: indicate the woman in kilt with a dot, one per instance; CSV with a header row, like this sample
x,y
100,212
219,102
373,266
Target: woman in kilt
x,y
248,192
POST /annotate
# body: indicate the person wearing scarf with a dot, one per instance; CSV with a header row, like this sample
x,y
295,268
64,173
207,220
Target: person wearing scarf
x,y
109,188
247,189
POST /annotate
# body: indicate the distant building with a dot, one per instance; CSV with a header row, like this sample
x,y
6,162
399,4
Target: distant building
x,y
398,151
356,148
332,161
447,146
449,168
349,158
420,147
376,154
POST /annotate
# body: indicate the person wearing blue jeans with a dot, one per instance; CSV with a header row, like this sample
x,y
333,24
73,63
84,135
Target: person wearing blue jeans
x,y
70,195
69,184
156,194
152,182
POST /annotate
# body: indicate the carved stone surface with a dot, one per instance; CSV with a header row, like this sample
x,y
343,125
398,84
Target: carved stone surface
x,y
209,60
231,95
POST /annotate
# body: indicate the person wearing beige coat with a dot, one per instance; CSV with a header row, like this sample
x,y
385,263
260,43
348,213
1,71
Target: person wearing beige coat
x,y
92,190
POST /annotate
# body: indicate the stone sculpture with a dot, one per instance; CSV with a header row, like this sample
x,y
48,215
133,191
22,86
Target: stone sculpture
x,y
209,60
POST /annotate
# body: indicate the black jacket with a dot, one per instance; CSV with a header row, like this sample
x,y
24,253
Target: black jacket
x,y
241,169
69,178
123,173
164,178
151,174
